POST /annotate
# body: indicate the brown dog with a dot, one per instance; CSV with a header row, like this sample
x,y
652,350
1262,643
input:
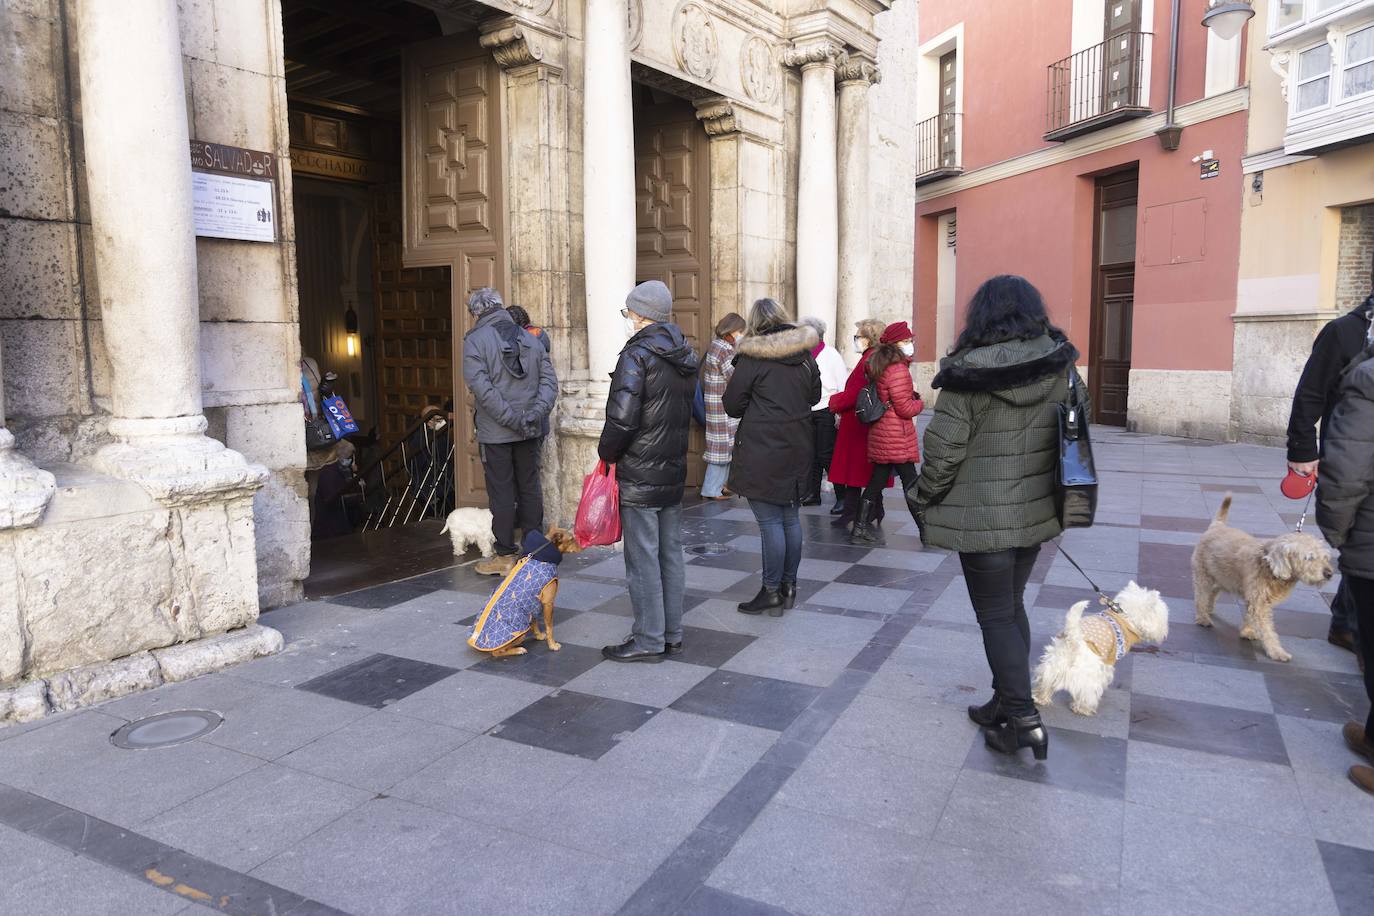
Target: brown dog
x,y
1261,573
529,590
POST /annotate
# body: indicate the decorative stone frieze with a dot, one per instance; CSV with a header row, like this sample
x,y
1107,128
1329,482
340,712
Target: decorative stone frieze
x,y
635,12
513,46
538,7
758,70
819,53
858,71
694,41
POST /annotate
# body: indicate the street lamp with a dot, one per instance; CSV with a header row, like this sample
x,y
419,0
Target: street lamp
x,y
1228,18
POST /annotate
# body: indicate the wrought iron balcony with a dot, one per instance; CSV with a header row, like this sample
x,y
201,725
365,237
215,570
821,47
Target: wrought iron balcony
x,y
1099,86
937,147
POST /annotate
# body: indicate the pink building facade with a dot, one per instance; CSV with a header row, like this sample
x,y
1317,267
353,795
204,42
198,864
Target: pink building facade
x,y
1046,149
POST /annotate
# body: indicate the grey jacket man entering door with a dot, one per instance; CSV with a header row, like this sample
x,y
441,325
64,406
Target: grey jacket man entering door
x,y
513,387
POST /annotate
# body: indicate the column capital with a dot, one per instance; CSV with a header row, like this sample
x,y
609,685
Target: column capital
x,y
856,70
817,53
517,44
717,116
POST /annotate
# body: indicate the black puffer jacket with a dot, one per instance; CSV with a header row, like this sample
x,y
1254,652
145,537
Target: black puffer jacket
x,y
775,385
1345,492
649,416
1337,344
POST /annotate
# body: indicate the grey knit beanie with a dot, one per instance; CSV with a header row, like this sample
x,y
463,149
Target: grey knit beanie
x,y
651,300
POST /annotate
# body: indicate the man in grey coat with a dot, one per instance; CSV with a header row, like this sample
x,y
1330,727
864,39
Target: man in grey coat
x,y
514,387
1345,512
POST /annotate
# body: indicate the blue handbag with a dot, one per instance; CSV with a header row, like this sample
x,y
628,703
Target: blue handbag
x,y
1077,479
699,405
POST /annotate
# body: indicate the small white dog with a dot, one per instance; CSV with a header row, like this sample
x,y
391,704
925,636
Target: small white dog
x,y
470,528
1082,658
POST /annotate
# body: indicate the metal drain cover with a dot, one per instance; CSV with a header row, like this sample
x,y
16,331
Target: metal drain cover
x,y
166,729
710,550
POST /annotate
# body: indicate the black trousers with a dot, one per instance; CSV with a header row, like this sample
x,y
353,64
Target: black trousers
x,y
824,422
997,585
881,472
1361,592
512,472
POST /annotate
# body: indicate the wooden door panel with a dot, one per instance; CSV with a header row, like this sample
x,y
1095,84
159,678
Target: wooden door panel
x,y
1112,344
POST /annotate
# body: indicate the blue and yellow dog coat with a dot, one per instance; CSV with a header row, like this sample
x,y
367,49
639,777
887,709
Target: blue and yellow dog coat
x,y
511,611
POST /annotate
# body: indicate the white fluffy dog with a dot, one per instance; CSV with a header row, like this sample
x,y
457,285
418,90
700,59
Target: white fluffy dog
x,y
470,528
1082,658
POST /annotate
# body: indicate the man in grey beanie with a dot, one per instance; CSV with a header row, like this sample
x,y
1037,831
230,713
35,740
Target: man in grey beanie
x,y
648,420
513,388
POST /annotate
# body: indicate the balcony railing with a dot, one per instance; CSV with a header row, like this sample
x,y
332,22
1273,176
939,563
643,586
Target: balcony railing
x,y
937,147
1099,86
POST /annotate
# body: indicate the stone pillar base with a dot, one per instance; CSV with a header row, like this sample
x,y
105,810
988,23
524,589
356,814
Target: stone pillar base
x,y
35,698
24,489
175,461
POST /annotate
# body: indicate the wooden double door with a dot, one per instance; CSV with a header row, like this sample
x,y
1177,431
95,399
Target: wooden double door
x,y
1109,365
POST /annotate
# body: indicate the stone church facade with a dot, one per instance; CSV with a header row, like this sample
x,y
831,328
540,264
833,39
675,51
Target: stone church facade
x,y
152,458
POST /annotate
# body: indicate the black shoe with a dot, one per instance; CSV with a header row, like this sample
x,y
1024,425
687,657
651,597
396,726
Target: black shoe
x,y
1018,732
1343,639
629,652
672,648
811,501
866,533
838,508
788,591
765,600
990,714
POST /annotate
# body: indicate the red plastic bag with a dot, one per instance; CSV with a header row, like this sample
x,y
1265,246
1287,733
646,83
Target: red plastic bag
x,y
598,514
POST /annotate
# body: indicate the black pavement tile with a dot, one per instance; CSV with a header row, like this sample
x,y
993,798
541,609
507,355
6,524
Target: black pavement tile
x,y
734,559
841,552
622,606
710,648
221,888
456,579
745,589
1311,694
1229,488
1166,561
102,841
708,901
541,666
1174,523
378,680
1203,727
733,814
24,811
880,576
764,702
1078,761
680,875
574,723
381,597
1351,873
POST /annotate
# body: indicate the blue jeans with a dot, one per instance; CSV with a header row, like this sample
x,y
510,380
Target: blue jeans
x,y
781,532
656,572
716,476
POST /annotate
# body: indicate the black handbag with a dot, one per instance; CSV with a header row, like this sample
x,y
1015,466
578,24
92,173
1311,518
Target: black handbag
x,y
1077,480
318,435
869,408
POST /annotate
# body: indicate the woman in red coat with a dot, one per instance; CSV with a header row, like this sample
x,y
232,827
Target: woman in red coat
x,y
850,469
892,443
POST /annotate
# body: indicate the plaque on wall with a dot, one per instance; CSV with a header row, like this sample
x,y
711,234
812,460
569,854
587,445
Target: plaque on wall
x,y
234,192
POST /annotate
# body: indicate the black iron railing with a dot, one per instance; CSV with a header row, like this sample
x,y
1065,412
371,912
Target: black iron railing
x,y
1100,85
937,146
414,478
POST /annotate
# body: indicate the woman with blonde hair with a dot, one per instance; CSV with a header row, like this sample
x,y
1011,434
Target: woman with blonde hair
x,y
716,369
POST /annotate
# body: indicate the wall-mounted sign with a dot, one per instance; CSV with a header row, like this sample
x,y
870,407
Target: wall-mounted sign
x,y
332,165
1210,168
234,192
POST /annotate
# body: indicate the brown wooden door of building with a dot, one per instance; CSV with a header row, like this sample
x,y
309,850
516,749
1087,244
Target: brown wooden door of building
x,y
1121,53
672,206
949,95
1109,365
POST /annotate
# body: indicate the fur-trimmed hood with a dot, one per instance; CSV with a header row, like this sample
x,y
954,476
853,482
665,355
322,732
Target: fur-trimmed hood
x,y
1015,370
784,344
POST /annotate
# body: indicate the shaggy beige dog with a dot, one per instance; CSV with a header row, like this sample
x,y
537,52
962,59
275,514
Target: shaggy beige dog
x,y
1261,573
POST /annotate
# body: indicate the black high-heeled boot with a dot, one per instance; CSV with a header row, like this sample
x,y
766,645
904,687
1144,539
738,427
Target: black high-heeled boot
x,y
990,714
838,508
866,533
765,600
788,592
1018,732
851,509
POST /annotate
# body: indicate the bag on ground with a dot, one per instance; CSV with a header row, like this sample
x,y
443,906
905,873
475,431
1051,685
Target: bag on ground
x,y
598,513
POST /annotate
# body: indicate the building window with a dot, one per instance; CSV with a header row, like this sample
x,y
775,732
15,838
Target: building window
x,y
1287,13
939,107
1358,77
1314,77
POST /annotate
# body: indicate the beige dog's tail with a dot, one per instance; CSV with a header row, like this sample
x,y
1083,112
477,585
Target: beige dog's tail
x,y
1224,511
1073,623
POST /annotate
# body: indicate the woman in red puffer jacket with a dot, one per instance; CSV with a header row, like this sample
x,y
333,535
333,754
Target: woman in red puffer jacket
x,y
892,442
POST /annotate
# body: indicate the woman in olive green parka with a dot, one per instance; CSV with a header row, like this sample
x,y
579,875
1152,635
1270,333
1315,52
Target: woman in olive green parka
x,y
987,486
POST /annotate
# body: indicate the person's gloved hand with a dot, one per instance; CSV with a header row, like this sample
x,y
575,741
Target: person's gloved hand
x,y
531,423
921,527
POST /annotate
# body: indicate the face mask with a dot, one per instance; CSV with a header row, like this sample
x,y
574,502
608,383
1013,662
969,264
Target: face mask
x,y
908,348
859,345
631,329
346,463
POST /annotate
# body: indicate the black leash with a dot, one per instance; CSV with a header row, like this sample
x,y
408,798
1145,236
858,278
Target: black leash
x,y
1101,595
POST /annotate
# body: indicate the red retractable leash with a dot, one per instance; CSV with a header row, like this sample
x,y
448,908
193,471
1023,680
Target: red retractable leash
x,y
1298,486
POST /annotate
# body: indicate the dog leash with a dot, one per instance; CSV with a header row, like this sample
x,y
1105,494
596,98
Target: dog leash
x,y
1302,519
1102,596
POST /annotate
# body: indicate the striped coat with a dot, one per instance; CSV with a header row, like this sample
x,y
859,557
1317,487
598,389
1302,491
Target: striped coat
x,y
720,428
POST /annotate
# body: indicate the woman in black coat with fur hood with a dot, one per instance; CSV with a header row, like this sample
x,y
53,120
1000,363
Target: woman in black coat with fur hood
x,y
775,385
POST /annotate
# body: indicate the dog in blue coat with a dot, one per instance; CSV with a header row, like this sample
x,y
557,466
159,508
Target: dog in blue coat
x,y
528,591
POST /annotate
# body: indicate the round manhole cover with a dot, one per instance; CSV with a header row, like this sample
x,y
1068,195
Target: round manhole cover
x,y
166,729
709,550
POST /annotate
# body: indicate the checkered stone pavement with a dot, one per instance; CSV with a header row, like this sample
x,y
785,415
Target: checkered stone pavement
x,y
814,764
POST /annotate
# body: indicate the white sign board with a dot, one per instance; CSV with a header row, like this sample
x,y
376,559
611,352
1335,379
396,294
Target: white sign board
x,y
227,207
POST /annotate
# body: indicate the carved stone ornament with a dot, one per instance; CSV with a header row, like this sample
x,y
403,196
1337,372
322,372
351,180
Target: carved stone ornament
x,y
820,52
858,71
1278,62
758,70
694,41
512,47
636,24
538,7
718,118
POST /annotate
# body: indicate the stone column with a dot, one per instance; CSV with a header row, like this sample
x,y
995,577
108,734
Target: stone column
x,y
133,102
856,251
608,182
817,202
24,489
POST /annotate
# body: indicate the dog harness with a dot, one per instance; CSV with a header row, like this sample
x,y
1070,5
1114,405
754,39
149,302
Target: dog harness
x,y
1109,636
510,612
